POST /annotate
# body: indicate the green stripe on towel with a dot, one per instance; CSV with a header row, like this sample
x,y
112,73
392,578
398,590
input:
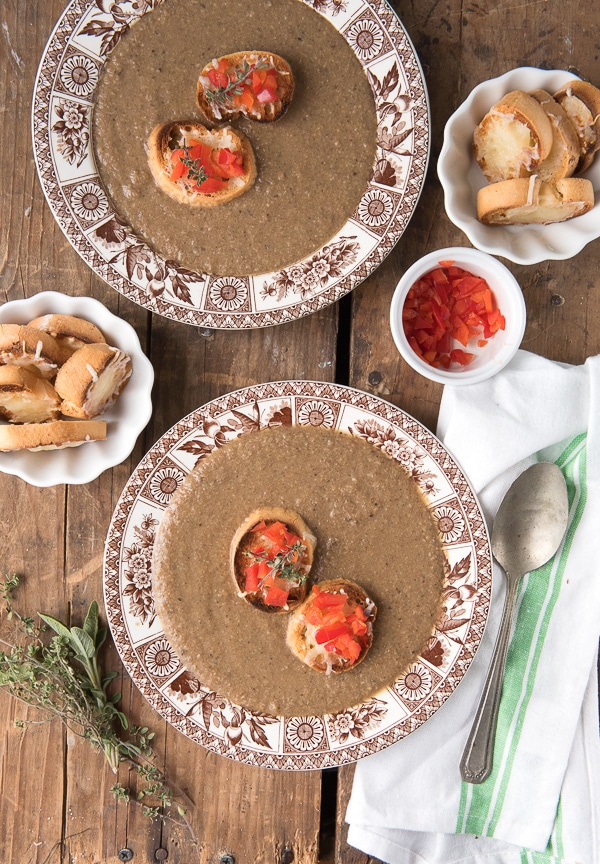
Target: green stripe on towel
x,y
481,805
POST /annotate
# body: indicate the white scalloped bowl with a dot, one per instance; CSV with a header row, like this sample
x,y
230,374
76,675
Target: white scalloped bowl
x,y
125,419
500,348
461,179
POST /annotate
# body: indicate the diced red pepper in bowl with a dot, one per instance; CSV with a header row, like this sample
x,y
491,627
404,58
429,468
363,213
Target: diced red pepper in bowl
x,y
449,304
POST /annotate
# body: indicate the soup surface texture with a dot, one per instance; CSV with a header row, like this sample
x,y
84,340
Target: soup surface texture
x,y
313,164
371,525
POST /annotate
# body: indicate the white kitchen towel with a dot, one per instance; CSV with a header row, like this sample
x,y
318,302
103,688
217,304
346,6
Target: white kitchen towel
x,y
541,804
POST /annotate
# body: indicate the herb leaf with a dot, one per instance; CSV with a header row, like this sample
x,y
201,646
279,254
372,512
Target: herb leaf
x,y
57,626
90,625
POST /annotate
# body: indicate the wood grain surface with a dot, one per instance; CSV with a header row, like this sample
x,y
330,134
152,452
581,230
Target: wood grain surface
x,y
55,803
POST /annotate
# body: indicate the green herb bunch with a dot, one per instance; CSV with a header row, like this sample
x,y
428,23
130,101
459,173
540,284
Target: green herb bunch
x,y
62,677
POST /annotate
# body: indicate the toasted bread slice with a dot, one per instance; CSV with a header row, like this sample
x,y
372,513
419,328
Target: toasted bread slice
x,y
581,101
288,561
513,138
199,166
91,379
256,84
308,639
528,201
69,331
564,155
25,346
51,436
25,397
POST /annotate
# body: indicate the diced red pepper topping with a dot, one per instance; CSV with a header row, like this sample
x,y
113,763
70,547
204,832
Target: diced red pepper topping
x,y
204,169
341,623
276,565
449,305
243,85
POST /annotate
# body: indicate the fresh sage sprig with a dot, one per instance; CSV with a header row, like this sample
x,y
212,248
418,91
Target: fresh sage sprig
x,y
62,677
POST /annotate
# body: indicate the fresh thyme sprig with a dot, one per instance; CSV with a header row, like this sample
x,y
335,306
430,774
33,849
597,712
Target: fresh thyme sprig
x,y
284,565
196,170
234,88
62,677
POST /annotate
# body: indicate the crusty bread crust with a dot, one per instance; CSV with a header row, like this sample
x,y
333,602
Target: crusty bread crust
x,y
298,640
91,379
25,346
216,111
581,101
513,138
69,331
242,539
564,155
167,137
51,436
530,200
26,397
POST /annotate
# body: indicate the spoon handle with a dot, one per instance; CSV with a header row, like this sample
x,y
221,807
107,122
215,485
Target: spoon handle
x,y
477,758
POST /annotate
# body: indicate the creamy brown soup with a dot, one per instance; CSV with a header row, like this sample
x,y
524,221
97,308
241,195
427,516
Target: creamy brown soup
x,y
313,164
371,525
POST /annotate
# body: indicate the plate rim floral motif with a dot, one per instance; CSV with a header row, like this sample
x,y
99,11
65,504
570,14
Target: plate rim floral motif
x,y
297,743
62,104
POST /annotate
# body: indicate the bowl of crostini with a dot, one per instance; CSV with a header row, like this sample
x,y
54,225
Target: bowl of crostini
x,y
520,168
458,316
75,389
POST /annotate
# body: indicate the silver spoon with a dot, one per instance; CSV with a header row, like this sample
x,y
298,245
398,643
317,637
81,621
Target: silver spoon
x,y
528,529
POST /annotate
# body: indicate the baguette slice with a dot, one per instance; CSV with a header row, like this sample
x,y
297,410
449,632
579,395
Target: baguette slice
x,y
91,379
223,156
528,201
256,84
302,634
513,138
581,101
564,155
246,538
69,331
25,346
51,436
25,397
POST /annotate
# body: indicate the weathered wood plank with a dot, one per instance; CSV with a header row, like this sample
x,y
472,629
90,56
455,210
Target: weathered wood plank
x,y
31,775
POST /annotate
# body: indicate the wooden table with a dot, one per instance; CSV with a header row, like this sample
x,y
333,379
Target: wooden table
x,y
55,802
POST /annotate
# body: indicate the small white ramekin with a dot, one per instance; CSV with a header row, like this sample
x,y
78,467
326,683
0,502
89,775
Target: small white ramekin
x,y
500,348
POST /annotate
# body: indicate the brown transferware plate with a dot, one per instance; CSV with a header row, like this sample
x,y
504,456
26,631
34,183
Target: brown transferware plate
x,y
63,99
298,742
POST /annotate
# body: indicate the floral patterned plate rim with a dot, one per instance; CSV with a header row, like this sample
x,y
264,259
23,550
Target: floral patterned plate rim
x,y
296,743
62,106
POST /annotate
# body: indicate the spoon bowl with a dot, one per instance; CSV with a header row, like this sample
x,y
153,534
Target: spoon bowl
x,y
528,529
531,520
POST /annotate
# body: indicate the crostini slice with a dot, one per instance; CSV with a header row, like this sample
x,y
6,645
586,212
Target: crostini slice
x,y
581,101
564,155
271,556
256,84
26,397
91,379
33,349
332,630
199,166
70,331
531,201
53,435
513,138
